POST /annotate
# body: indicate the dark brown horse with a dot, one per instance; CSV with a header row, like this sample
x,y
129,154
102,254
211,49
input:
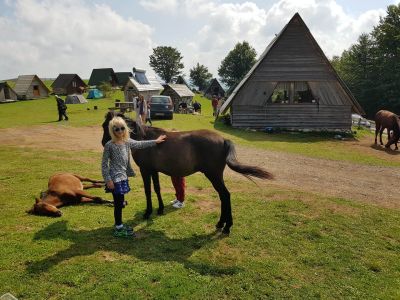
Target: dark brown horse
x,y
65,189
182,154
387,120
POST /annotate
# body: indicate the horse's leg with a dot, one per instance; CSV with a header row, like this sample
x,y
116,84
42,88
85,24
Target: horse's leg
x,y
377,128
225,197
380,134
146,176
156,185
88,179
82,194
388,134
93,185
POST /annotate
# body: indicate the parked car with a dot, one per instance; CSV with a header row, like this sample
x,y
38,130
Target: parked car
x,y
359,120
161,106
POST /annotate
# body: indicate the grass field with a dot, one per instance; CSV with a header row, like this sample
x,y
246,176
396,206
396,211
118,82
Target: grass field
x,y
284,243
44,112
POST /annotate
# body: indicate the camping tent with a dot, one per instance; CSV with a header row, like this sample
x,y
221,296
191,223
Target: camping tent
x,y
95,94
75,99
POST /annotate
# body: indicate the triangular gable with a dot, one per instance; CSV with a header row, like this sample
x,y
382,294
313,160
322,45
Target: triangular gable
x,y
214,82
294,55
103,75
63,80
24,82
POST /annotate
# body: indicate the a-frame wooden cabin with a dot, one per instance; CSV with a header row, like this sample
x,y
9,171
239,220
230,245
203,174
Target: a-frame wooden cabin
x,y
292,86
214,89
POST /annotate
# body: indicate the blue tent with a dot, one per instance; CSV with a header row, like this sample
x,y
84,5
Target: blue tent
x,y
95,94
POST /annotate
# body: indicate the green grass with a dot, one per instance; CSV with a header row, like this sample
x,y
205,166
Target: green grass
x,y
320,145
284,244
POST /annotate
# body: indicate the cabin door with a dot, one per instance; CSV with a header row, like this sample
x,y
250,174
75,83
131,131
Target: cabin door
x,y
6,93
36,91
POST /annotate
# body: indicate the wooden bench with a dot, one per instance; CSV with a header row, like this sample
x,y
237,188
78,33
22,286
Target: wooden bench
x,y
123,106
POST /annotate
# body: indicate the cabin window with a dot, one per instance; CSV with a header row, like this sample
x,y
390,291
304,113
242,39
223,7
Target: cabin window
x,y
73,84
292,92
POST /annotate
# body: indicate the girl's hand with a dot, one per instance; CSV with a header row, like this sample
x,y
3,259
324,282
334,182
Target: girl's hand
x,y
110,184
161,138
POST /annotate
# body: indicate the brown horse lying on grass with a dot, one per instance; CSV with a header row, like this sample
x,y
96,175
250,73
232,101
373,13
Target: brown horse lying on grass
x,y
387,120
65,189
183,154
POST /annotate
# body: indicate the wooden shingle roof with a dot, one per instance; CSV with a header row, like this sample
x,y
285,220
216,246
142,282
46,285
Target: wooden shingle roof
x,y
63,80
286,66
24,82
182,90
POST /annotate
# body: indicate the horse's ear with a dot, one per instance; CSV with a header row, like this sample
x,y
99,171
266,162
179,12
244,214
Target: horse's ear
x,y
37,200
30,211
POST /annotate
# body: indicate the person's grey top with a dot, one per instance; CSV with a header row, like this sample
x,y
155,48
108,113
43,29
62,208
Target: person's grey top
x,y
115,163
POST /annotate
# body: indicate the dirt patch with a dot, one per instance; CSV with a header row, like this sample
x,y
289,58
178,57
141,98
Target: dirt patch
x,y
207,205
54,138
378,185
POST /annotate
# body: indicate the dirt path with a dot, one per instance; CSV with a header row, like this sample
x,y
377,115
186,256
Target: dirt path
x,y
378,185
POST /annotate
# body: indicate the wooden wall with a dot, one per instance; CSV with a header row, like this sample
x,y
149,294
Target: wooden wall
x,y
43,92
292,116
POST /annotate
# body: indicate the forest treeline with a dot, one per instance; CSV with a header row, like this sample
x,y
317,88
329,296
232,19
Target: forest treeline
x,y
371,67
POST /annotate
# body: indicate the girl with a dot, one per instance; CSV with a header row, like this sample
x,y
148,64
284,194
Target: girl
x,y
116,167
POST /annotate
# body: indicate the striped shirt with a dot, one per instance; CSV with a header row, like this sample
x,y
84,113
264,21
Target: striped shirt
x,y
115,162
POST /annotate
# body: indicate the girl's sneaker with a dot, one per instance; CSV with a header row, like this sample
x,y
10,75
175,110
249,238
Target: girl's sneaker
x,y
124,232
174,201
178,204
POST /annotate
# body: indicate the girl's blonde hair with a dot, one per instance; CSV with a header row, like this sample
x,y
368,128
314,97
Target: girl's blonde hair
x,y
118,122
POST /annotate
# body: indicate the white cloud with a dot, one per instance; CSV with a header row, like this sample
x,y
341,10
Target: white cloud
x,y
227,24
163,5
70,36
74,36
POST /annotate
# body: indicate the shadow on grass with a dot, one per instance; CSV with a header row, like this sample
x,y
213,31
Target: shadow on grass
x,y
282,136
149,245
384,149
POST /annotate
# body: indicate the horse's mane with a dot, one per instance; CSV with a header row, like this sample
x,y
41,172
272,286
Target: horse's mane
x,y
151,131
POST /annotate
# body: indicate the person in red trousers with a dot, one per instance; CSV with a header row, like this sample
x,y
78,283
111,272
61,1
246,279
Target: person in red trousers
x,y
179,185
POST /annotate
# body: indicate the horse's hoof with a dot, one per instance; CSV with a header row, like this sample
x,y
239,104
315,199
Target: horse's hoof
x,y
226,231
160,212
146,216
219,226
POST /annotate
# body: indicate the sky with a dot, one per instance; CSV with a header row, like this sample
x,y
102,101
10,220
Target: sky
x,y
49,37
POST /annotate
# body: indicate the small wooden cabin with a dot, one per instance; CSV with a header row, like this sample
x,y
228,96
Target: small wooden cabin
x,y
123,77
179,93
30,87
292,86
214,88
7,94
67,84
142,84
99,76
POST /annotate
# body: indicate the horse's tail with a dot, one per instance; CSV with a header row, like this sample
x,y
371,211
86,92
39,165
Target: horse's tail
x,y
245,170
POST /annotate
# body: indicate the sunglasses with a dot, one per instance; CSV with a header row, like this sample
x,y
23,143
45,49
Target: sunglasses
x,y
118,129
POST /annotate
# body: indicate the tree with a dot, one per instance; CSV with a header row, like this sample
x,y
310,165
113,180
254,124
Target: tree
x,y
237,63
106,88
199,76
166,62
387,39
371,67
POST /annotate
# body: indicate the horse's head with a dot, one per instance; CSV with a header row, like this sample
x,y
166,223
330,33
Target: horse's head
x,y
133,126
44,209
